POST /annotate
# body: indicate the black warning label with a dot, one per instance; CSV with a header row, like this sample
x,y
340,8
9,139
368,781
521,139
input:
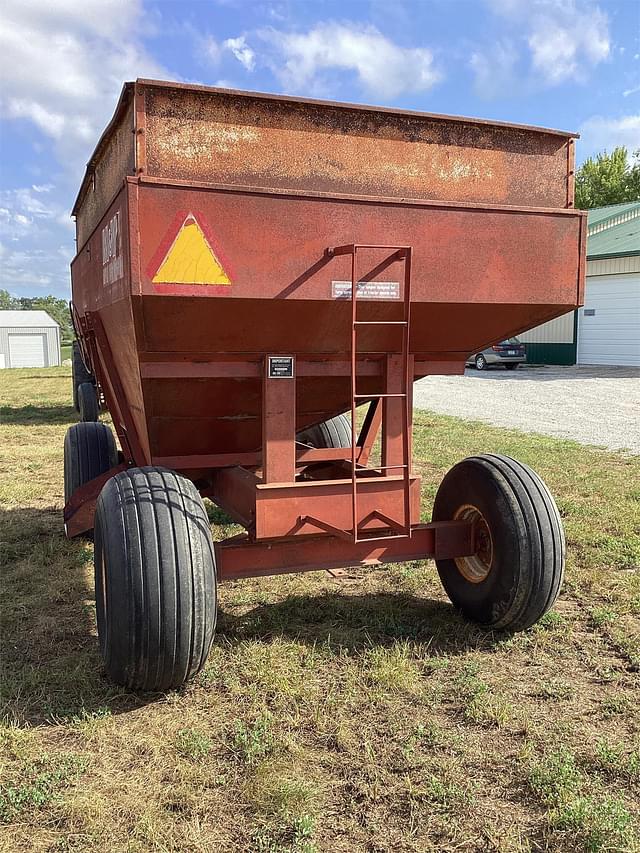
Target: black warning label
x,y
280,367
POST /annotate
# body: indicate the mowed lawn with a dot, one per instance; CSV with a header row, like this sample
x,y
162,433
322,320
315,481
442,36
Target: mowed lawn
x,y
351,713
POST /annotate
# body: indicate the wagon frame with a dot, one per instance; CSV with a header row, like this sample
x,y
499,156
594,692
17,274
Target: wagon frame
x,y
304,507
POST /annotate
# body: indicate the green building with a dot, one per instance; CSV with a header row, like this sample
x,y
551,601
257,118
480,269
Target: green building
x,y
607,329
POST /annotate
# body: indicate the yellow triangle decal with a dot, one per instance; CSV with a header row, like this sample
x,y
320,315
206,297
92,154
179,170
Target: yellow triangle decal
x,y
191,260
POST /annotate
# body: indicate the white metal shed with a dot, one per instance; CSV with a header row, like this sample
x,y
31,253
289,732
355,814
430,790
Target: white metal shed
x,y
28,339
609,323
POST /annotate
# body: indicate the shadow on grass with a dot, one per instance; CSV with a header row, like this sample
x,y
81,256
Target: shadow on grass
x,y
32,415
50,666
352,622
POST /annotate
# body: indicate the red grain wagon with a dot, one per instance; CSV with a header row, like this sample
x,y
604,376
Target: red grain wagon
x,y
250,268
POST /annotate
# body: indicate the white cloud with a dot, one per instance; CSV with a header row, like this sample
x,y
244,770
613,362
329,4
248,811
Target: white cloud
x,y
63,64
242,52
600,133
495,73
211,49
382,67
36,250
561,39
566,38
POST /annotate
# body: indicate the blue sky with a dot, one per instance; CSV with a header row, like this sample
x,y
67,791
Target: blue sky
x,y
570,64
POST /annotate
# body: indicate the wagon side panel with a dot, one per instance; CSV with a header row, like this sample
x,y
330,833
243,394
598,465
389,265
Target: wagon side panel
x,y
101,279
479,275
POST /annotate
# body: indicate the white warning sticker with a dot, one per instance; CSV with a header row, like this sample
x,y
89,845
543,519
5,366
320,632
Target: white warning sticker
x,y
366,290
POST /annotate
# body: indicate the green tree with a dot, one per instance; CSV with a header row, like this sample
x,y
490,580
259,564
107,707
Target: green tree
x,y
56,308
7,301
608,179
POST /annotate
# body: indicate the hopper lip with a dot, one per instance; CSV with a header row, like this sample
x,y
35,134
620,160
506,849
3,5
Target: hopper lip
x,y
123,102
130,86
355,106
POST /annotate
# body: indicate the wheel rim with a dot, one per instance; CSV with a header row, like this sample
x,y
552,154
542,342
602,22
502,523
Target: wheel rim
x,y
480,362
476,567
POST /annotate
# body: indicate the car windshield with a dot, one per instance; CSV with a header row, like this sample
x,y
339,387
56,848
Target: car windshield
x,y
511,341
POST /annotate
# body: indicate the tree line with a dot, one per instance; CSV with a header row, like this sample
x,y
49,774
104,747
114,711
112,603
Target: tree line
x,y
608,179
56,308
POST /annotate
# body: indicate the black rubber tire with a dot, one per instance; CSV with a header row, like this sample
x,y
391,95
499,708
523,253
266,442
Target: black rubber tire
x,y
512,365
480,362
155,579
335,432
527,566
88,402
79,372
89,450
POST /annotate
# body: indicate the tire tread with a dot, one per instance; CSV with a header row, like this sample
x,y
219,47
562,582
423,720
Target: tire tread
x,y
336,432
541,568
168,582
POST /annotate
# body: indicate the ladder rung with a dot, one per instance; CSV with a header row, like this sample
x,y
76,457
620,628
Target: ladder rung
x,y
380,323
376,396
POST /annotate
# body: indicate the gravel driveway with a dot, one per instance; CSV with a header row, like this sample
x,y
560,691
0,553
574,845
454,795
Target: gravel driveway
x,y
592,405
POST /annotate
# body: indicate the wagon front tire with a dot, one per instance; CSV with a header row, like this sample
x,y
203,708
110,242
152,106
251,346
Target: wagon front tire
x,y
155,579
88,402
79,372
516,573
89,451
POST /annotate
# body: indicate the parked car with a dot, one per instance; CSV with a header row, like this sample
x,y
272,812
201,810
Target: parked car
x,y
509,353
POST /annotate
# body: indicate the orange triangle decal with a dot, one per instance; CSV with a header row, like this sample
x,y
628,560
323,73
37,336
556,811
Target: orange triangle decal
x,y
190,259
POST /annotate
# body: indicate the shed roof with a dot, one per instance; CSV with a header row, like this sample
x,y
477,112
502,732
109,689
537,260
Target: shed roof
x,y
598,214
614,231
26,319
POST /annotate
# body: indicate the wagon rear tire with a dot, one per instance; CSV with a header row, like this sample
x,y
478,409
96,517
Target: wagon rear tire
x,y
336,432
88,402
517,571
155,579
89,450
79,373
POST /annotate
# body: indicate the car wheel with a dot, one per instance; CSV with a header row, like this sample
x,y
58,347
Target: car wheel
x,y
481,362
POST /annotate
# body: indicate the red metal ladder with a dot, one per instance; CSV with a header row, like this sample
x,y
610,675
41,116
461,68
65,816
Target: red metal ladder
x,y
402,529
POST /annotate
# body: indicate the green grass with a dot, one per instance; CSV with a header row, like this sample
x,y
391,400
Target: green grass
x,y
358,713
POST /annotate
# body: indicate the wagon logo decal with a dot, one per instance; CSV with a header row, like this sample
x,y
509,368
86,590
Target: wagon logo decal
x,y
112,264
189,257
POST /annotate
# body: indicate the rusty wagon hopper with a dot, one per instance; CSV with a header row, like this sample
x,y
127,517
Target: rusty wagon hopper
x,y
251,271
